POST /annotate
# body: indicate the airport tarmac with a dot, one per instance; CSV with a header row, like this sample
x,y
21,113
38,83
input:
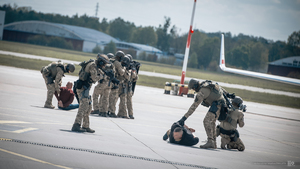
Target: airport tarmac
x,y
34,137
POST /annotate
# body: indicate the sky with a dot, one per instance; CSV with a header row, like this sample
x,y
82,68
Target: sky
x,y
271,19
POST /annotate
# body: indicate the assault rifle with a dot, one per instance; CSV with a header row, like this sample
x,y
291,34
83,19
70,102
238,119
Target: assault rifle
x,y
111,76
137,66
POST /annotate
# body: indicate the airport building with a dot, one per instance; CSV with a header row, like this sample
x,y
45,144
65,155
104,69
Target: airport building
x,y
285,66
82,39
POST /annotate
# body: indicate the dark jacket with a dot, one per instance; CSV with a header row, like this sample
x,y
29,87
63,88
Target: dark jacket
x,y
187,138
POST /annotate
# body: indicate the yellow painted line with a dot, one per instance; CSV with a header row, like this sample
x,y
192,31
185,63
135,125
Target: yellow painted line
x,y
25,130
33,159
14,122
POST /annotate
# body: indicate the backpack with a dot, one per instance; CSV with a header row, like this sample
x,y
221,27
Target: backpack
x,y
83,75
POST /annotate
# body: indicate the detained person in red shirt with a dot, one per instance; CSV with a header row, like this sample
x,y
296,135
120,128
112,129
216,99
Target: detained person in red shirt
x,y
66,98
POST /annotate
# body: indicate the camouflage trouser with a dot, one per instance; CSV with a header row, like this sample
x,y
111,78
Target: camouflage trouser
x,y
122,104
209,123
101,103
84,110
238,144
50,91
113,98
129,103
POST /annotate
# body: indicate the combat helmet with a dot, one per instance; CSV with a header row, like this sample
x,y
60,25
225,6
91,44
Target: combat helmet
x,y
193,84
238,101
125,61
110,55
70,67
102,60
130,57
119,55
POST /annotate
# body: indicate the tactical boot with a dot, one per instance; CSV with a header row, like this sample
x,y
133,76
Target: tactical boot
x,y
95,112
103,114
131,117
50,106
76,127
112,115
166,136
89,130
210,144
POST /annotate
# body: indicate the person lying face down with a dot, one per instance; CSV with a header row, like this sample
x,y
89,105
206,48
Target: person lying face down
x,y
181,134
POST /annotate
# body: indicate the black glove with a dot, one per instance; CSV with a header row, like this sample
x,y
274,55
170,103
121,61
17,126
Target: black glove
x,y
181,121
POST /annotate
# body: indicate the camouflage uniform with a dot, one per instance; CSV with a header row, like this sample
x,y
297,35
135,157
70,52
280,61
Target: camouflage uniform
x,y
102,89
212,95
228,132
55,71
114,93
84,97
123,91
134,77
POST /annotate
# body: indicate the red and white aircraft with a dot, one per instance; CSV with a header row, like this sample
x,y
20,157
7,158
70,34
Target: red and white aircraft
x,y
253,74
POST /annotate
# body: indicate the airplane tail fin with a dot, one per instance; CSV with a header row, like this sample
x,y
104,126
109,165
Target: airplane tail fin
x,y
222,54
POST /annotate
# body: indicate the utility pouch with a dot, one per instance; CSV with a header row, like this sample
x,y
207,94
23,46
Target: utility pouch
x,y
49,80
79,84
213,108
86,92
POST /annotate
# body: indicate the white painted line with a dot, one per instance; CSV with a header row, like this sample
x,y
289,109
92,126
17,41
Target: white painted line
x,y
24,130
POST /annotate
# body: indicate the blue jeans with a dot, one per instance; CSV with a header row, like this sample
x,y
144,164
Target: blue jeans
x,y
70,107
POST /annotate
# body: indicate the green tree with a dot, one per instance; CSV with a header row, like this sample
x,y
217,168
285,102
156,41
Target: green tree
x,y
144,35
239,57
110,48
209,51
294,39
163,36
120,29
258,57
104,25
97,49
193,61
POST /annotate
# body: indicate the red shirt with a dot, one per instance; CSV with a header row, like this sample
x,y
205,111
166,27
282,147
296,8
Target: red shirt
x,y
66,96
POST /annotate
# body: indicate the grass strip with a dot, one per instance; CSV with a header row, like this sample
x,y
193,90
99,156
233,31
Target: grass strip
x,y
158,82
150,66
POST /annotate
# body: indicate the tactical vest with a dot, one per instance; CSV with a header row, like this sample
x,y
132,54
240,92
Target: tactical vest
x,y
51,69
215,92
84,74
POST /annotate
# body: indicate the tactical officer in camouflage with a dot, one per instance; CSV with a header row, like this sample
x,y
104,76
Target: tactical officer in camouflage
x,y
133,78
123,89
227,128
211,94
53,74
102,89
119,73
88,75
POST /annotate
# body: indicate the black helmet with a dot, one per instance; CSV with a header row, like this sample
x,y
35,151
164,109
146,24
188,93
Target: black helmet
x,y
70,67
102,60
125,61
193,84
119,55
130,57
110,55
237,101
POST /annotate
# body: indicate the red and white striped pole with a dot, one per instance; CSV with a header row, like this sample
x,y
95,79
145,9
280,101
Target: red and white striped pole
x,y
187,49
